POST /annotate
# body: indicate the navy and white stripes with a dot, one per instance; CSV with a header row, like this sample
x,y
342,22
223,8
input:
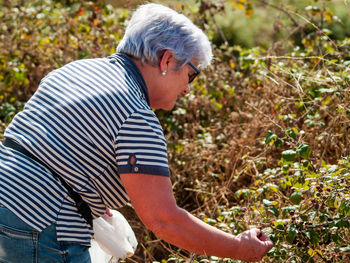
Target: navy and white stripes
x,y
86,121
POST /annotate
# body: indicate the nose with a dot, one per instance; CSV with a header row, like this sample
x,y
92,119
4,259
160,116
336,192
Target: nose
x,y
186,90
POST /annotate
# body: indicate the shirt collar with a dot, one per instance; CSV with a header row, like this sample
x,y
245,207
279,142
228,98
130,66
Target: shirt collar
x,y
133,70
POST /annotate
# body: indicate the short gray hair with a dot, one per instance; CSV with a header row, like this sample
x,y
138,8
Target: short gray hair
x,y
154,28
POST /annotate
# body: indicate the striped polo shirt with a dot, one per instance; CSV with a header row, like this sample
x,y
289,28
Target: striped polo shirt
x,y
89,121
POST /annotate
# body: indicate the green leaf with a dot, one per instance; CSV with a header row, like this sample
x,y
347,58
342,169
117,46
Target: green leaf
x,y
314,237
304,217
288,156
337,238
272,187
210,221
274,211
280,223
292,133
296,198
278,143
342,223
292,233
7,111
270,138
344,207
304,151
267,203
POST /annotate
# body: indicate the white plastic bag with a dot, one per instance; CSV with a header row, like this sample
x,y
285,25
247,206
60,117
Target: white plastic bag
x,y
98,255
114,236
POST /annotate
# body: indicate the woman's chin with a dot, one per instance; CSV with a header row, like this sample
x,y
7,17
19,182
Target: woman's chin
x,y
164,106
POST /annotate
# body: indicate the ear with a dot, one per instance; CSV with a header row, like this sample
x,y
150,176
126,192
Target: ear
x,y
165,60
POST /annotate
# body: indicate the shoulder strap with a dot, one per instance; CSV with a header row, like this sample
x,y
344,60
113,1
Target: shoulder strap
x,y
82,206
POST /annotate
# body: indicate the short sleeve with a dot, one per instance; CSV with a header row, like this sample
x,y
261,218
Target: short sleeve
x,y
141,146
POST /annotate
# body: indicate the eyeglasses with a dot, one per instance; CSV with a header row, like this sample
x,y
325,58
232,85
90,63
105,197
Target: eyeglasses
x,y
194,75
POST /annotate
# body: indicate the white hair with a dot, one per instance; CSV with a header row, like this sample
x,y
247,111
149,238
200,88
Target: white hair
x,y
154,28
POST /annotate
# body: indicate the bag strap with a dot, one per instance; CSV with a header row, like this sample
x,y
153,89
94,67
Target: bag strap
x,y
82,206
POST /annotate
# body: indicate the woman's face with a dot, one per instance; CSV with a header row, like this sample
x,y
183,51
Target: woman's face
x,y
171,86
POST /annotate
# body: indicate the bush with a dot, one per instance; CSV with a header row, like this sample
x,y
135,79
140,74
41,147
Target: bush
x,y
43,35
261,141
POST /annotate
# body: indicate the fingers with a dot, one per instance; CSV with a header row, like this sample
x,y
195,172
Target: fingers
x,y
108,212
254,245
266,241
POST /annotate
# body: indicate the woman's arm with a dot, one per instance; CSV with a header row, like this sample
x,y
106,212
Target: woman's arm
x,y
154,202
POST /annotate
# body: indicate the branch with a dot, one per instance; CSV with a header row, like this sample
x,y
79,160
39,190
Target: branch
x,y
282,10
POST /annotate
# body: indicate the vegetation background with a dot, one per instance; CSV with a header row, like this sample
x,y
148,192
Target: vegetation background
x,y
263,138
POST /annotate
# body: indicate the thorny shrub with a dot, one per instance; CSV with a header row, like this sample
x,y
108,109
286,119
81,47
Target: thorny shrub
x,y
261,141
44,35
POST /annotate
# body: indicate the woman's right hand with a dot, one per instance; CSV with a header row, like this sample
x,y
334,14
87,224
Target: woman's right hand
x,y
253,245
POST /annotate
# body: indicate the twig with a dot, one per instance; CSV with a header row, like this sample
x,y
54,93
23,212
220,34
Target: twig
x,y
323,33
309,110
280,9
193,257
296,58
221,34
218,28
265,115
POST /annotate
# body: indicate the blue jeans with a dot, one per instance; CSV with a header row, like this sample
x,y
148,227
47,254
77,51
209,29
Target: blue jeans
x,y
21,243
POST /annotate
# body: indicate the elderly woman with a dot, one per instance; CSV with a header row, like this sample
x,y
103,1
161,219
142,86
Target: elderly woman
x,y
88,139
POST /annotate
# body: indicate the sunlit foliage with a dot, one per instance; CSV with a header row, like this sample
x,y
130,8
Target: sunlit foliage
x,y
261,141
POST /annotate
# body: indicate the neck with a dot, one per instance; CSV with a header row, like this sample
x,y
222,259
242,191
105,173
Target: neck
x,y
146,70
149,74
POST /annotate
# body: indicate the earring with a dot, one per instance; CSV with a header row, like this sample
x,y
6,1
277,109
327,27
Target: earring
x,y
164,72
